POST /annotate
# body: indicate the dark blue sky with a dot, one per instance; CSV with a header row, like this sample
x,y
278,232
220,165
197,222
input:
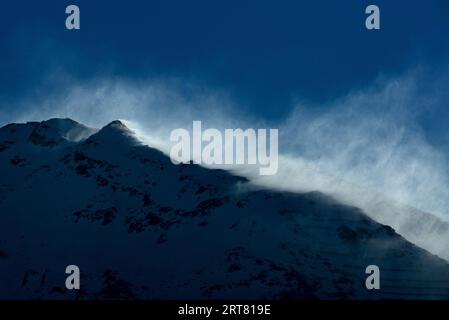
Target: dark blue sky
x,y
263,53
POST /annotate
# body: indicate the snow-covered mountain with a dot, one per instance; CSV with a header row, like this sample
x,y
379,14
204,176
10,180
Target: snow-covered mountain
x,y
140,227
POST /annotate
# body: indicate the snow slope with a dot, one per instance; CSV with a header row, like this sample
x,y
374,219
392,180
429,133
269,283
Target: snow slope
x,y
140,227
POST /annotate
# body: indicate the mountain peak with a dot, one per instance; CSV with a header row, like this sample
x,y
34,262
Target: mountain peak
x,y
118,125
48,133
51,132
116,132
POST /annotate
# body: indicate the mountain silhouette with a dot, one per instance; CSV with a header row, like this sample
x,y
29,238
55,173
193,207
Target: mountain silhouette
x,y
140,227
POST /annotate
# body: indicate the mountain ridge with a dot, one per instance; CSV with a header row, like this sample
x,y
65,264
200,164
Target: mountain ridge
x,y
139,226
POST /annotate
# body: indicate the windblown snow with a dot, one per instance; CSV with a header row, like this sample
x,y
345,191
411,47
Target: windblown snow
x,y
141,227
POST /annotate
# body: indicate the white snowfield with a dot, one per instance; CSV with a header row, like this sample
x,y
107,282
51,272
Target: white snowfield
x,y
140,227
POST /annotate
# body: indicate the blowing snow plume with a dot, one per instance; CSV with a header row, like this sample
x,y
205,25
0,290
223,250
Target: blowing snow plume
x,y
366,149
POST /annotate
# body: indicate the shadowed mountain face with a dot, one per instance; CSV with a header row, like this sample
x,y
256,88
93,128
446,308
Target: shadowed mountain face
x,y
140,227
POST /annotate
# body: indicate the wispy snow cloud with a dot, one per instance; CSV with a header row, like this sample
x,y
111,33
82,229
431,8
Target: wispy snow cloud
x,y
370,139
366,144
